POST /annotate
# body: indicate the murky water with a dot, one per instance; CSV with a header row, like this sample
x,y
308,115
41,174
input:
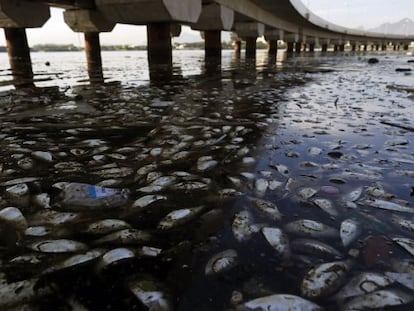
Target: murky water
x,y
268,178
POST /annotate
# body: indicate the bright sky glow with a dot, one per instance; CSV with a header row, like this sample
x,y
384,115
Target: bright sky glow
x,y
349,13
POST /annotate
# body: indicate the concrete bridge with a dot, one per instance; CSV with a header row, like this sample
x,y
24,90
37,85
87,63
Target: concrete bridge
x,y
287,20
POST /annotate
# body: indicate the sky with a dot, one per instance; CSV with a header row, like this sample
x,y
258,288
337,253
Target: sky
x,y
350,13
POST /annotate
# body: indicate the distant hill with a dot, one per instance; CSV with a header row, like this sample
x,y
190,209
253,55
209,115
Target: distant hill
x,y
403,27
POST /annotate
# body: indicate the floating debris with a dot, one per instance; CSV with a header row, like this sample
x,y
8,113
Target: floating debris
x,y
221,262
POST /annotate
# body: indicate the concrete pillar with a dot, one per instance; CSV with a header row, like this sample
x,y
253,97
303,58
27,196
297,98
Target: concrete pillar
x,y
406,47
384,47
159,44
290,46
365,47
91,23
298,47
251,47
336,47
341,47
377,47
353,47
324,47
19,57
311,47
15,17
212,43
93,57
272,47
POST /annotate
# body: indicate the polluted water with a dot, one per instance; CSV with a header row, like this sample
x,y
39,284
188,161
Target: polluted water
x,y
270,184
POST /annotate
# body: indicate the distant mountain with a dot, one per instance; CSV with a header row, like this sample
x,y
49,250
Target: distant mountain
x,y
403,27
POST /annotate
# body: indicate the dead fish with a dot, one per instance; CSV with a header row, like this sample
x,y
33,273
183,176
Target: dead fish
x,y
13,217
76,260
164,181
268,208
114,256
58,246
349,231
106,226
405,224
325,279
43,156
281,302
54,218
21,292
406,243
190,186
116,172
403,265
315,248
327,206
363,283
147,200
221,262
42,200
179,217
261,185
206,163
378,300
125,236
278,240
150,293
406,279
281,168
311,228
353,195
241,226
17,181
314,151
307,193
387,205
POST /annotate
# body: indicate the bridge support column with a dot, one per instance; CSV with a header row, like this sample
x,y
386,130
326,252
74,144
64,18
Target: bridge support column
x,y
298,47
93,57
272,47
365,47
212,43
159,44
406,47
324,47
15,17
19,57
312,47
237,46
251,47
384,47
91,23
353,47
377,47
290,47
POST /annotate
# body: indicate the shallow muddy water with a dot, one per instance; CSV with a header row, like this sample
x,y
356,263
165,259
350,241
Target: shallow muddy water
x,y
214,190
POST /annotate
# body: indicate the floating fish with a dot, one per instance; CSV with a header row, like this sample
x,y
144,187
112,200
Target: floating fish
x,y
405,224
106,226
281,302
406,243
406,279
150,293
349,231
307,193
113,257
268,208
315,248
378,300
147,200
387,205
327,206
241,226
58,246
363,283
311,228
13,217
125,236
76,260
325,279
179,217
221,262
278,240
